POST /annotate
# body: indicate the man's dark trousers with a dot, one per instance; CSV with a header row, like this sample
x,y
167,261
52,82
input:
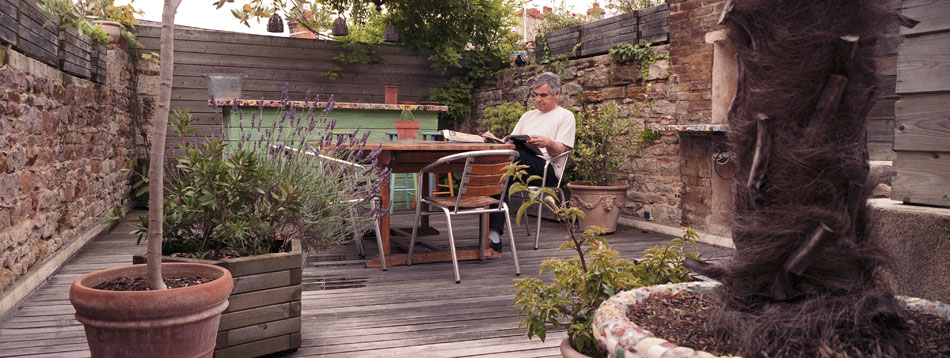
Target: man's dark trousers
x,y
496,221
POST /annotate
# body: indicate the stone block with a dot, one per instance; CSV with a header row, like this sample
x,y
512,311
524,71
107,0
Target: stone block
x,y
918,239
624,74
592,96
659,70
613,92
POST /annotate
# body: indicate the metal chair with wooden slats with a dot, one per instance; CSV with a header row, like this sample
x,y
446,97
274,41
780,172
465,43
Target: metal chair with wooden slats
x,y
481,178
374,203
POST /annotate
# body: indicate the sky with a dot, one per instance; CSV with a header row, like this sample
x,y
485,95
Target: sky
x,y
202,13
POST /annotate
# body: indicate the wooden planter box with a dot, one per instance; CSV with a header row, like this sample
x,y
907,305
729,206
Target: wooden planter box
x,y
75,52
263,315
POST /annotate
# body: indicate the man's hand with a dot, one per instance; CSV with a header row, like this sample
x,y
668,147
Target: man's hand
x,y
553,148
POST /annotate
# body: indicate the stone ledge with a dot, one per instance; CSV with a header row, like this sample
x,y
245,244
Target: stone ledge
x,y
704,237
41,271
918,240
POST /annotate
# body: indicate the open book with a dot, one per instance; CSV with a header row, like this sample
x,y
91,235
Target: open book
x,y
520,141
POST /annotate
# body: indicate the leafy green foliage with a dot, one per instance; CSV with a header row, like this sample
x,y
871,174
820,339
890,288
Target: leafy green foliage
x,y
501,120
623,52
123,14
600,147
73,15
647,137
628,6
457,95
581,284
406,115
665,264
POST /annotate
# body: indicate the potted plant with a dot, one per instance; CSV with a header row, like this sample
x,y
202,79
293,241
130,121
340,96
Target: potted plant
x,y
117,20
603,137
407,127
154,316
581,284
247,206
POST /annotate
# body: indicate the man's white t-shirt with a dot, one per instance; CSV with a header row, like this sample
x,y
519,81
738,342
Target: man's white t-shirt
x,y
558,124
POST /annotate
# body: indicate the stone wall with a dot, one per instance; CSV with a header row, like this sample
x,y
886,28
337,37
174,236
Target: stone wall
x,y
670,180
65,141
653,172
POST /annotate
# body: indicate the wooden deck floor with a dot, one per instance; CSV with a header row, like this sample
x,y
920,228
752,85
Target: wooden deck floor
x,y
353,311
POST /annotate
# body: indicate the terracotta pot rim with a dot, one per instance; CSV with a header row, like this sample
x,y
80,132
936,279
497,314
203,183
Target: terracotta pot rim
x,y
581,185
567,351
607,326
82,281
407,124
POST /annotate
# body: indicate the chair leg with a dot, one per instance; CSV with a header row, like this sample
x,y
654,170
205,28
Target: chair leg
x,y
415,230
379,237
455,260
537,229
511,239
357,235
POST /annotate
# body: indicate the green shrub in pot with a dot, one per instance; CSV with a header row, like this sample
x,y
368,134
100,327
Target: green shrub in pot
x,y
580,284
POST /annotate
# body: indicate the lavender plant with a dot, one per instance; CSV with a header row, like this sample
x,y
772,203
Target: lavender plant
x,y
254,194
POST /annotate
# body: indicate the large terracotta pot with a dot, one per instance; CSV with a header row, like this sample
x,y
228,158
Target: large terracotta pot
x,y
179,322
601,204
569,352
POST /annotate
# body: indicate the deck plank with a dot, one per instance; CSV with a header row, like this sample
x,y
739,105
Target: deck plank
x,y
350,310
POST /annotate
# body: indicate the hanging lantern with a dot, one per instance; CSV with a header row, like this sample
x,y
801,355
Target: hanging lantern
x,y
390,34
275,24
339,27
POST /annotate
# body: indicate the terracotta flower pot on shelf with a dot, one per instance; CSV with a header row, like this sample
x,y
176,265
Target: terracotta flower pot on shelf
x,y
111,28
407,130
177,322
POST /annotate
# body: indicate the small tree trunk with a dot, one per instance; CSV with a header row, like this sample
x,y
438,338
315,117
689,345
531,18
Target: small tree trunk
x,y
156,170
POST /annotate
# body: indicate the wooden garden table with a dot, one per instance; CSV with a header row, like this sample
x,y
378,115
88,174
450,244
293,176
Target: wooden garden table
x,y
411,157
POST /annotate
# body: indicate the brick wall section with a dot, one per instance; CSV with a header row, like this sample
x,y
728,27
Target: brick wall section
x,y
691,60
653,173
695,171
691,57
64,141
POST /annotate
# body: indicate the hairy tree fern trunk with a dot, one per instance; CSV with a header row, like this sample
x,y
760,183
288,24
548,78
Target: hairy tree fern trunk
x,y
804,280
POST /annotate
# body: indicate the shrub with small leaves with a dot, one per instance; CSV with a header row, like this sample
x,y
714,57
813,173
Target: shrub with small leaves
x,y
581,284
501,120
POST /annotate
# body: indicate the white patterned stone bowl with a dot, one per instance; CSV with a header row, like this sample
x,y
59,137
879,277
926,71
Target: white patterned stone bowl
x,y
624,339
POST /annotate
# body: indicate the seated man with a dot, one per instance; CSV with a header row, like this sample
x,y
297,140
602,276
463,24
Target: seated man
x,y
551,128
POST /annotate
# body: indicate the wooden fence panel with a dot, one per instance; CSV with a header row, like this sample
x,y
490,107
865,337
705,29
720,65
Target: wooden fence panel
x,y
923,65
922,131
271,63
8,21
932,15
655,24
596,38
34,39
75,52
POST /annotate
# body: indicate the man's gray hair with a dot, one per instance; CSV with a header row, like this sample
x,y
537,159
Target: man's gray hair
x,y
552,80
